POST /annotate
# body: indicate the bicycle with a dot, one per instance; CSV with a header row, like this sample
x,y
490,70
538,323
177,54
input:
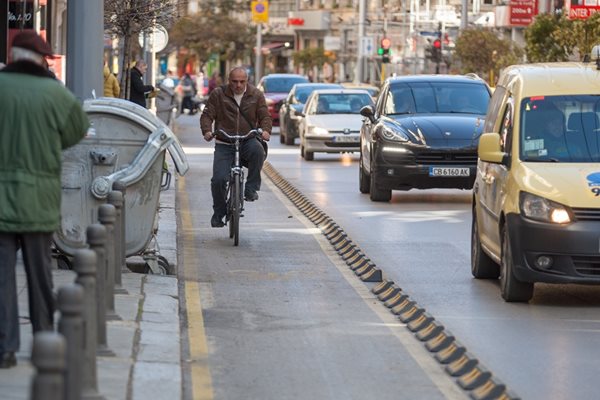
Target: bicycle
x,y
235,189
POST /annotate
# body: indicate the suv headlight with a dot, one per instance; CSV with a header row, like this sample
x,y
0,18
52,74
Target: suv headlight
x,y
541,209
317,130
396,136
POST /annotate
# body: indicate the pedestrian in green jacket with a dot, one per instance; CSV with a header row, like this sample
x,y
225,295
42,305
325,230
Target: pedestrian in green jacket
x,y
39,118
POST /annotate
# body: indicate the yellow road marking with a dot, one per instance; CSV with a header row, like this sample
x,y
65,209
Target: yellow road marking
x,y
200,370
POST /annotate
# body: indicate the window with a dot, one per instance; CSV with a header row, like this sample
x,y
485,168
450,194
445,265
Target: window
x,y
506,129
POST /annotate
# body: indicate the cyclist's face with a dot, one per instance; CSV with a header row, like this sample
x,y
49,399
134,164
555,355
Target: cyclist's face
x,y
238,80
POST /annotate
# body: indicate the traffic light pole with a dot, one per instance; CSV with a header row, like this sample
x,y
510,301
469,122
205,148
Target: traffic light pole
x,y
358,77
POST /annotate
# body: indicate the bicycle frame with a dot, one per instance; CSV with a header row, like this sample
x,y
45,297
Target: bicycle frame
x,y
235,197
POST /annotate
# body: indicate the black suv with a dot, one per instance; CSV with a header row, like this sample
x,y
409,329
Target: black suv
x,y
423,133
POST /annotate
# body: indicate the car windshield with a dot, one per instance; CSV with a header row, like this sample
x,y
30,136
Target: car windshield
x,y
303,92
436,98
343,103
560,128
282,85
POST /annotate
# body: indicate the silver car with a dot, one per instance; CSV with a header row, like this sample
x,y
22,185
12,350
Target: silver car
x,y
332,121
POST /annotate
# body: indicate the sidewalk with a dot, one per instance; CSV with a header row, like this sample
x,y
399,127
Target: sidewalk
x,y
146,341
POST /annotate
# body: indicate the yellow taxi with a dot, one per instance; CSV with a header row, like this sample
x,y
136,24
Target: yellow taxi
x,y
536,197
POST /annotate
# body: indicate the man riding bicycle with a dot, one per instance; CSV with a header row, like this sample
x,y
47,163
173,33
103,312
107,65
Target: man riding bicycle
x,y
237,107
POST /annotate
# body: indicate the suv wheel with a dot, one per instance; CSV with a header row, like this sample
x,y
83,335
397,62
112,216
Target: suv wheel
x,y
482,266
378,194
512,289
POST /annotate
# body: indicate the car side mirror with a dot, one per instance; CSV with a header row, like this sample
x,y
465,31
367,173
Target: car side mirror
x,y
489,148
368,112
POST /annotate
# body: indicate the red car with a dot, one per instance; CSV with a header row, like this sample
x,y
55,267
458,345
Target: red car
x,y
276,88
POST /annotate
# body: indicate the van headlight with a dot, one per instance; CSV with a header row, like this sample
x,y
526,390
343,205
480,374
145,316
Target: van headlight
x,y
541,209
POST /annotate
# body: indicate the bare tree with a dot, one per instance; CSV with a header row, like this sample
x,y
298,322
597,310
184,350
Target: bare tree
x,y
127,18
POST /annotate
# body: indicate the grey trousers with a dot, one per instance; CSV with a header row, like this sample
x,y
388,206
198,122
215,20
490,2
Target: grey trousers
x,y
38,264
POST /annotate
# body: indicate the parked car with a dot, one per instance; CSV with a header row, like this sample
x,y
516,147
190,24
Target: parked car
x,y
536,208
422,134
293,104
331,121
276,88
373,90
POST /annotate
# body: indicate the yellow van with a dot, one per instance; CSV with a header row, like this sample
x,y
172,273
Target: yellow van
x,y
536,197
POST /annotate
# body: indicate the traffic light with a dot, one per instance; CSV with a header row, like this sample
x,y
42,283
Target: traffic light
x,y
384,50
436,53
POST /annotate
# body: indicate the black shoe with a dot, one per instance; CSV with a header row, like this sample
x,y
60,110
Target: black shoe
x,y
250,195
216,221
8,359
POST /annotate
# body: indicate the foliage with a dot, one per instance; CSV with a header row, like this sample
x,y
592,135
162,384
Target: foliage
x,y
544,41
556,38
127,18
211,32
311,57
482,51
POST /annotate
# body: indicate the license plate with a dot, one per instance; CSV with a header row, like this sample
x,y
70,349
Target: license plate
x,y
346,139
449,171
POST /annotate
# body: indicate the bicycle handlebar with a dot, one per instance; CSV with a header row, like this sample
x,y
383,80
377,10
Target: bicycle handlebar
x,y
253,132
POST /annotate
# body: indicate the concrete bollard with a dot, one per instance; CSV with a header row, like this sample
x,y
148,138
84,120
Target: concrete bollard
x,y
116,199
48,358
107,215
96,239
70,325
121,187
84,264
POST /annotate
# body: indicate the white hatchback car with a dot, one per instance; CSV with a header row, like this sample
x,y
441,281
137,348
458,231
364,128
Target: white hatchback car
x,y
332,121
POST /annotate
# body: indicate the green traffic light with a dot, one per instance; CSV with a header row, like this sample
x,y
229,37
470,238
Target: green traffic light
x,y
380,51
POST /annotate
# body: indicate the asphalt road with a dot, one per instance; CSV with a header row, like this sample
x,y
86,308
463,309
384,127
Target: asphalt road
x,y
280,316
547,349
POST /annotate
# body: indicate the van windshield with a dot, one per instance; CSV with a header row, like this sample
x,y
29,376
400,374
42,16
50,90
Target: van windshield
x,y
560,128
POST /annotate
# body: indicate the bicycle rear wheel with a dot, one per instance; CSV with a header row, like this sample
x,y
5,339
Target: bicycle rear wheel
x,y
236,210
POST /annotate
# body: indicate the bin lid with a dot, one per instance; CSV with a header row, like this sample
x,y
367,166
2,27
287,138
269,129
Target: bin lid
x,y
142,116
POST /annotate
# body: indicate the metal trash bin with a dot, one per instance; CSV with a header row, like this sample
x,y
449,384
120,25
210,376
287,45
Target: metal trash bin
x,y
166,103
125,143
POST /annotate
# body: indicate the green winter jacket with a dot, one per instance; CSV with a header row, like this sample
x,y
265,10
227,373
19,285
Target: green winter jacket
x,y
39,118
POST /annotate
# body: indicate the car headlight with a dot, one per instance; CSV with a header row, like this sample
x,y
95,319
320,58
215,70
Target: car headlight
x,y
317,130
390,134
541,209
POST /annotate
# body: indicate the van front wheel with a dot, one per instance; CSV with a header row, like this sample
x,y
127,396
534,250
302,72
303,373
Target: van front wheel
x,y
512,290
482,266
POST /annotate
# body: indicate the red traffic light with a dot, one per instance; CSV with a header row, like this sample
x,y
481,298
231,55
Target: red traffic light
x,y
437,43
386,43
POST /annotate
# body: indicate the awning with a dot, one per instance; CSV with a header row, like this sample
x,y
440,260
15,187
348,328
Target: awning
x,y
273,46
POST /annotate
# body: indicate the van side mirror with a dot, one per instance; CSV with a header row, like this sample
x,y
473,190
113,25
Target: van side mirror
x,y
489,148
369,112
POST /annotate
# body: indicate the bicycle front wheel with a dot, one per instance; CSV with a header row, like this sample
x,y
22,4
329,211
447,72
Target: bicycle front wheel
x,y
236,210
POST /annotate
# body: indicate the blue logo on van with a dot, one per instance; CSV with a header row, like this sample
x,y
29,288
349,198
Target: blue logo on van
x,y
594,179
594,183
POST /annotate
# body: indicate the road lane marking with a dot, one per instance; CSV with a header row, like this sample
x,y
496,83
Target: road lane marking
x,y
446,385
198,346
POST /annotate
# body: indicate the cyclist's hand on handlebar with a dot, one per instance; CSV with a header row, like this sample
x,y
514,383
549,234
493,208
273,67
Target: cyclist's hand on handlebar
x,y
208,136
265,136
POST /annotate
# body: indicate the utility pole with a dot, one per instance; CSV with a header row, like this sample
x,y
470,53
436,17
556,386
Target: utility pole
x,y
85,48
258,67
358,77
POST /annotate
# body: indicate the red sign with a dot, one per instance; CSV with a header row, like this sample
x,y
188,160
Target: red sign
x,y
582,12
296,21
522,12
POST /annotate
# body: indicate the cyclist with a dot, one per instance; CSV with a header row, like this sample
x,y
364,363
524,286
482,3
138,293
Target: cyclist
x,y
237,108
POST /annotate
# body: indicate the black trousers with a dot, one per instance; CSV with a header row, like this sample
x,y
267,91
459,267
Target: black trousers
x,y
252,155
38,264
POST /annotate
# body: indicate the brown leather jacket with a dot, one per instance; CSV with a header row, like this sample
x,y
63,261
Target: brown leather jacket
x,y
223,110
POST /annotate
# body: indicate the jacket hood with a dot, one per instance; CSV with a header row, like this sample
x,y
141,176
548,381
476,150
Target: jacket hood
x,y
106,72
